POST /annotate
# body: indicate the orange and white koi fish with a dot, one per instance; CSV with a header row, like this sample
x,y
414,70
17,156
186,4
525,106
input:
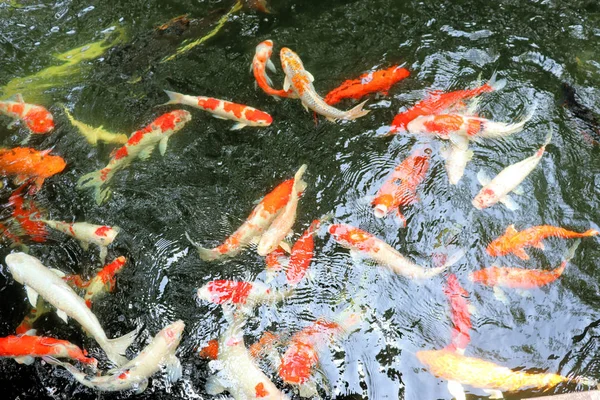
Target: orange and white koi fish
x,y
259,219
457,155
300,81
21,213
437,102
240,293
140,145
223,109
364,244
302,254
460,314
134,375
25,164
260,63
514,242
282,224
497,189
86,233
274,258
400,188
104,281
372,82
37,118
24,348
461,370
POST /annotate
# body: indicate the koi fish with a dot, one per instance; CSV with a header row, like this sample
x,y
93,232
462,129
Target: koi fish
x,y
211,350
135,374
282,224
239,292
302,254
24,164
456,155
260,5
365,244
262,61
497,189
266,341
38,279
372,82
400,188
300,81
222,109
462,370
460,314
104,281
100,235
259,219
23,348
514,242
9,235
37,118
21,214
95,134
140,145
438,102
273,259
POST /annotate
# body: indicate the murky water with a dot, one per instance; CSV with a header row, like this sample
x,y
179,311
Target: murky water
x,y
210,176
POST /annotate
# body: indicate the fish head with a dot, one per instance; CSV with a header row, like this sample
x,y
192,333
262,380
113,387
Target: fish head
x,y
173,333
383,204
290,61
259,118
264,50
350,236
39,120
51,165
172,121
22,265
399,73
180,118
105,234
485,198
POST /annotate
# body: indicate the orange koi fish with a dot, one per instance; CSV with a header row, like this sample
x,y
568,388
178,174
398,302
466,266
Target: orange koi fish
x,y
104,281
460,314
514,241
372,82
222,109
273,259
25,164
23,348
259,219
260,5
210,351
438,102
400,188
239,292
140,145
37,119
36,230
302,254
262,61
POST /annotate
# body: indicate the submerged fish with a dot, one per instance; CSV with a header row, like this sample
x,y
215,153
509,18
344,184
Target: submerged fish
x,y
140,145
300,81
456,155
460,314
25,164
240,293
260,63
21,213
302,254
93,135
37,118
104,281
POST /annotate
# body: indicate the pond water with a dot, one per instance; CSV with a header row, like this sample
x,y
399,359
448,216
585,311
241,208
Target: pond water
x,y
210,177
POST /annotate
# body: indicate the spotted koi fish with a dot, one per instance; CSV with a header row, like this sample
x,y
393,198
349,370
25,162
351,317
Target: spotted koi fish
x,y
240,293
400,188
497,189
372,82
302,254
260,63
460,314
140,145
222,109
21,213
438,102
514,242
24,348
300,81
104,281
26,164
37,118
259,219
364,244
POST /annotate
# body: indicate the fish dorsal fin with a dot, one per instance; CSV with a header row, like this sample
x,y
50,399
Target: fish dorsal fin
x,y
62,315
510,231
286,84
483,177
58,273
32,295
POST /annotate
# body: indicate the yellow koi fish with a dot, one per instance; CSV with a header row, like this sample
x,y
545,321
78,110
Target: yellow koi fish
x,y
93,135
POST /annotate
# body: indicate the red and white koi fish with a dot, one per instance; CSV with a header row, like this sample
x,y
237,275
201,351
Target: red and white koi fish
x,y
140,145
100,235
134,375
300,81
38,279
372,82
437,102
262,61
223,109
367,245
457,155
240,293
302,254
210,351
400,188
259,219
460,314
37,118
25,163
282,224
24,348
497,189
104,281
273,260
514,242
21,213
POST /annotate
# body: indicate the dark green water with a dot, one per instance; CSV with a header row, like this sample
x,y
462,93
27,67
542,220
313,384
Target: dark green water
x,y
209,178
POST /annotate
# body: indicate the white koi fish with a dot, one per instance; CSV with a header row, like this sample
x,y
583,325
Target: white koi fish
x,y
135,374
95,134
283,223
40,280
140,145
457,155
497,189
300,81
243,115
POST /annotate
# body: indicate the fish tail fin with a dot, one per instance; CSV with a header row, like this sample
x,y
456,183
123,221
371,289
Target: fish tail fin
x,y
357,111
117,347
590,232
77,374
174,98
571,252
96,180
349,319
494,83
548,139
587,381
204,253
